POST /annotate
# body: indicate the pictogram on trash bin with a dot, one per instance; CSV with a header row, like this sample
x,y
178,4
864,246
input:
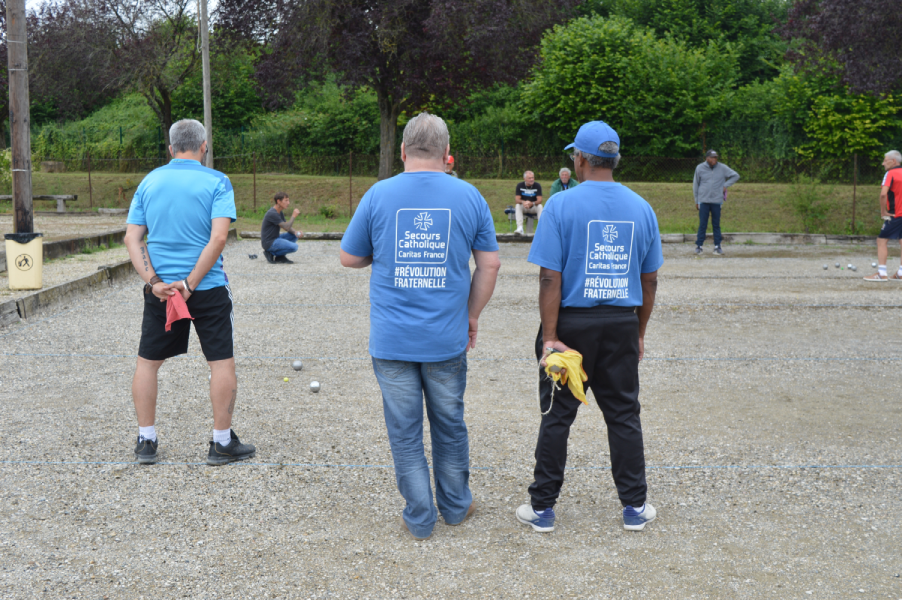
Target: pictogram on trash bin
x,y
24,262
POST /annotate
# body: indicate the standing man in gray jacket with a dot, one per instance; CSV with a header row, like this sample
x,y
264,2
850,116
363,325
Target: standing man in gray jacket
x,y
710,190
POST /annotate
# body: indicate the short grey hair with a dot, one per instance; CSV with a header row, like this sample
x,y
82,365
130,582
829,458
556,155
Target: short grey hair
x,y
186,135
603,162
564,170
426,136
895,155
525,172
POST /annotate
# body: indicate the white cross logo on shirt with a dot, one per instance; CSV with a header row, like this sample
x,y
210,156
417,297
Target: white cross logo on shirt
x,y
610,233
423,221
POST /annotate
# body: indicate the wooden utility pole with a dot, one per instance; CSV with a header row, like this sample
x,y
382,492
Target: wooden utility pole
x,y
205,56
19,119
854,187
90,187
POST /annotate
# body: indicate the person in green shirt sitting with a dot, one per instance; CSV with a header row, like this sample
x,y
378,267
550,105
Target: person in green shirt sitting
x,y
564,182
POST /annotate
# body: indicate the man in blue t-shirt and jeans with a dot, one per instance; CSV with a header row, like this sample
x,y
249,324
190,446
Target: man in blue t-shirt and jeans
x,y
418,231
185,210
599,250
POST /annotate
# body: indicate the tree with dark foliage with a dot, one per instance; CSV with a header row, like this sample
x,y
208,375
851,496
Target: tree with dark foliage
x,y
858,40
156,50
72,62
410,52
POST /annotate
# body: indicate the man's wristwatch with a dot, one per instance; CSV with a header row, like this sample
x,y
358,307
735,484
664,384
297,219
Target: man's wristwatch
x,y
148,287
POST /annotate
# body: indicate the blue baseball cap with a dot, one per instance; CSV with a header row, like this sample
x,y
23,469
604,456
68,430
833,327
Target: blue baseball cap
x,y
592,135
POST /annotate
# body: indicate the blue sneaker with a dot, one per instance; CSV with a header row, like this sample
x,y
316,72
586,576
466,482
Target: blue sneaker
x,y
542,522
635,521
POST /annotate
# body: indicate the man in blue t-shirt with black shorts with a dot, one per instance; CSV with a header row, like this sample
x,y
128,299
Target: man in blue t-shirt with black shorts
x,y
418,231
185,210
599,250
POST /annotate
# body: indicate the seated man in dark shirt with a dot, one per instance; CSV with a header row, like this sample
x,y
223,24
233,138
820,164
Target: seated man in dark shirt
x,y
275,243
529,199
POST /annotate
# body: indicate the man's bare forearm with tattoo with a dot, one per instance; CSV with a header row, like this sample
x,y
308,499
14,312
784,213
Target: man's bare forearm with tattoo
x,y
140,257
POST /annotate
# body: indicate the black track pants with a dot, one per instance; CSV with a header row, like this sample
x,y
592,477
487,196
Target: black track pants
x,y
608,339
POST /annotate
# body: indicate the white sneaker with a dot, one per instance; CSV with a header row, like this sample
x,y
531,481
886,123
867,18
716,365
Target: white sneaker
x,y
519,231
542,522
634,520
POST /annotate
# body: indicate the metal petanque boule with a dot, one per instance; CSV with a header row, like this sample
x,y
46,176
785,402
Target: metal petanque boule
x,y
314,386
826,267
837,265
297,365
873,264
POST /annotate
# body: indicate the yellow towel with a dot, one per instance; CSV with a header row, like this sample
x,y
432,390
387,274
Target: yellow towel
x,y
572,361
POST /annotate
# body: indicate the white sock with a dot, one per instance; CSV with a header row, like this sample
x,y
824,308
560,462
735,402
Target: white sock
x,y
223,437
148,433
639,509
899,272
882,270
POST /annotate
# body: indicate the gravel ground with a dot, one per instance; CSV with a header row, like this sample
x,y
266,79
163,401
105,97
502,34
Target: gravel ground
x,y
60,228
67,268
759,363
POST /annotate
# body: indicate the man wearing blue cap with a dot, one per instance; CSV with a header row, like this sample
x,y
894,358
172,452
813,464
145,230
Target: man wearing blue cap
x,y
599,250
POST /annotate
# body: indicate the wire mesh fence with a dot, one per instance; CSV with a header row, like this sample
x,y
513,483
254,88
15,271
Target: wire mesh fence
x,y
650,169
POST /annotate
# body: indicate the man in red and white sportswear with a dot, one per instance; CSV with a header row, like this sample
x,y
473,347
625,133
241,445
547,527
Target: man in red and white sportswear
x,y
891,211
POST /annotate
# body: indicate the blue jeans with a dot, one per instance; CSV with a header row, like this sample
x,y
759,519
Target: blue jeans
x,y
703,210
404,384
284,244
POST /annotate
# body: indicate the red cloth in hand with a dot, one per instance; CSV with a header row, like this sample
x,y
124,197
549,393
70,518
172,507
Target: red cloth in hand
x,y
176,309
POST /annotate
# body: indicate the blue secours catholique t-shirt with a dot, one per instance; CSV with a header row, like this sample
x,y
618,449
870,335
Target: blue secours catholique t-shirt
x,y
421,229
600,236
177,203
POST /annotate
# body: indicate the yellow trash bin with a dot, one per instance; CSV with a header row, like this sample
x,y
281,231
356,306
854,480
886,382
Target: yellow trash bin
x,y
24,260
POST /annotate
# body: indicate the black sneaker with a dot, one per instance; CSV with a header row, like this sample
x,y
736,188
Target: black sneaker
x,y
146,451
234,451
718,250
269,257
284,259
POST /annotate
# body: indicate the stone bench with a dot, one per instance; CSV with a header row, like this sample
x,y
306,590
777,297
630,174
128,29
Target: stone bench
x,y
60,200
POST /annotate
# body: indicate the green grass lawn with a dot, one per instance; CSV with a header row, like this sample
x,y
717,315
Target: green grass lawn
x,y
751,206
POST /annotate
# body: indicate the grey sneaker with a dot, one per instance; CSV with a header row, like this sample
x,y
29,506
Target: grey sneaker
x,y
146,451
718,250
220,455
698,250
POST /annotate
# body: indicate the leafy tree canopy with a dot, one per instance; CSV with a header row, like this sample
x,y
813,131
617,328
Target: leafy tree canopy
x,y
409,52
234,95
751,26
658,93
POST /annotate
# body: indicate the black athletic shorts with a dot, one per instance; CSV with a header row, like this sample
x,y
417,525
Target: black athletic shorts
x,y
892,229
213,321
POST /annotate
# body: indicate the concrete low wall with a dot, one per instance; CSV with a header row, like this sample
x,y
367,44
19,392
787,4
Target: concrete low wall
x,y
34,304
667,238
61,248
47,299
774,238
